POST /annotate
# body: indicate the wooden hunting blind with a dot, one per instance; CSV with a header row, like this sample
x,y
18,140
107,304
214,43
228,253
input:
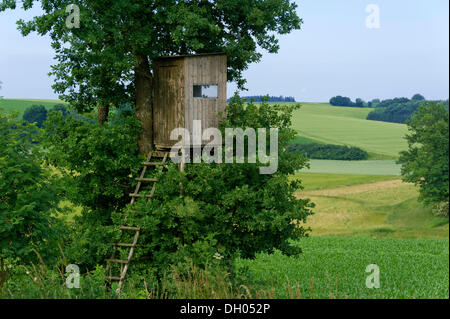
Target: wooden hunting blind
x,y
188,88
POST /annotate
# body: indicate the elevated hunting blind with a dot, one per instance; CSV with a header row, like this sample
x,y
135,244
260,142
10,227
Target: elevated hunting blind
x,y
188,88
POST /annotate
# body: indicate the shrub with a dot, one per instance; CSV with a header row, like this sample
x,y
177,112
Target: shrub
x,y
329,151
36,114
341,101
28,196
441,209
60,108
418,97
98,164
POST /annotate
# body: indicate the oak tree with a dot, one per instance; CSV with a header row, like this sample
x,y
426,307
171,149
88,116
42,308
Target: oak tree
x,y
107,60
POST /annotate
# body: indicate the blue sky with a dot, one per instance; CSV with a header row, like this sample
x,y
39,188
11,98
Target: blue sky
x,y
334,53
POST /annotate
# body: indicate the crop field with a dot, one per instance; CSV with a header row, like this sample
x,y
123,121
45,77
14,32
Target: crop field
x,y
334,267
10,105
348,126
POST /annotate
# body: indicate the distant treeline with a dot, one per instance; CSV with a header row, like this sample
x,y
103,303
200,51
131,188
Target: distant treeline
x,y
328,151
398,110
260,98
346,101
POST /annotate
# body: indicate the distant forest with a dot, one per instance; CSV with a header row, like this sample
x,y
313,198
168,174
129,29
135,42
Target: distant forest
x,y
396,110
259,98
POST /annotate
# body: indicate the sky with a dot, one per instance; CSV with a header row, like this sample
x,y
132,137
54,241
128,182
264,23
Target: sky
x,y
335,53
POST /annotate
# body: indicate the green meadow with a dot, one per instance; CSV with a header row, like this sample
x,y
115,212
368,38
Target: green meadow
x,y
20,105
348,126
370,167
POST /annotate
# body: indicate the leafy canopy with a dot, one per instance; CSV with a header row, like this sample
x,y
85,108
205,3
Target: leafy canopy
x,y
97,164
96,62
425,163
35,114
28,193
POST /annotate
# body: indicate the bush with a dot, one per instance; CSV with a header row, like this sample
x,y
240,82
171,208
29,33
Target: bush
x,y
98,164
60,108
36,114
329,151
28,196
441,209
418,97
341,101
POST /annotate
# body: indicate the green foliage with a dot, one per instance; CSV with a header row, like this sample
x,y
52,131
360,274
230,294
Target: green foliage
x,y
441,209
97,165
329,151
60,108
341,101
225,210
359,102
393,111
36,114
418,97
425,163
28,194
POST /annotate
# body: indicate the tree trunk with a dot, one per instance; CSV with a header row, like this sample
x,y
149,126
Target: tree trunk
x,y
102,114
144,111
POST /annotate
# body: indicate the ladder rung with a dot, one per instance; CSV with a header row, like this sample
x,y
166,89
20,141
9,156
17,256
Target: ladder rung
x,y
113,278
152,163
162,154
123,245
123,227
138,195
145,179
119,261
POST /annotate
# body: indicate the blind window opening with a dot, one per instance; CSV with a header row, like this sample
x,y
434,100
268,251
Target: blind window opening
x,y
205,91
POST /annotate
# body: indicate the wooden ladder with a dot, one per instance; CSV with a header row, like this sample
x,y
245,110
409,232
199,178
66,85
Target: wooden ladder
x,y
124,263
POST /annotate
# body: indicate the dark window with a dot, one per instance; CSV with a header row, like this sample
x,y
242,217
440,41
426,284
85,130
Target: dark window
x,y
205,91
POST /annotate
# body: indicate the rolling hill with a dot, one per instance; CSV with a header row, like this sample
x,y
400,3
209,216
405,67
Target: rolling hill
x,y
20,105
348,126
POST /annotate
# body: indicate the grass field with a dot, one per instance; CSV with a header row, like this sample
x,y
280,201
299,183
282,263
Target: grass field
x,y
313,181
371,167
347,126
334,267
385,208
10,105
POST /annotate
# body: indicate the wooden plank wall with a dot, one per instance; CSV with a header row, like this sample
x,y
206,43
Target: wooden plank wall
x,y
204,70
168,108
